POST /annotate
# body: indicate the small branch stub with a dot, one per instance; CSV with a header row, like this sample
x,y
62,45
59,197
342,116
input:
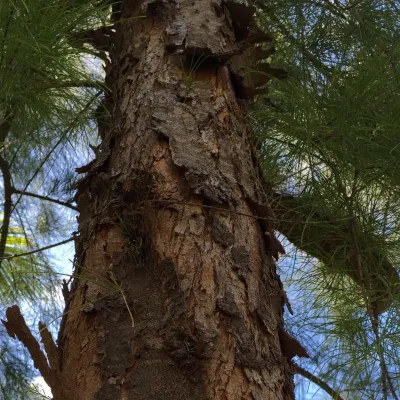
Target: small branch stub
x,y
17,328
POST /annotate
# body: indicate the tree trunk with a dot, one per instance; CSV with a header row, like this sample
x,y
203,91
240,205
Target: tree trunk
x,y
177,295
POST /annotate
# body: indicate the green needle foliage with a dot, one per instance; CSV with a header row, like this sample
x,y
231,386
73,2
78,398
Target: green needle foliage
x,y
47,95
330,144
23,278
14,371
47,102
25,281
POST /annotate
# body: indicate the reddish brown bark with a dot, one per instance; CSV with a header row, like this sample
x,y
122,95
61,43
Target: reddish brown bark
x,y
166,213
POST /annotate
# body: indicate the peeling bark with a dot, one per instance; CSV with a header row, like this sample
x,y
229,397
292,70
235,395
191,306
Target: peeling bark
x,y
164,212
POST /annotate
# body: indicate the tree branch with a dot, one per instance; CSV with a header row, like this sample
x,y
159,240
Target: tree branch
x,y
386,379
16,327
319,382
7,205
45,198
5,128
5,125
28,253
320,236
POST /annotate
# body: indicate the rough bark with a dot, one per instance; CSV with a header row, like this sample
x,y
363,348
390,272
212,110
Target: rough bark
x,y
177,295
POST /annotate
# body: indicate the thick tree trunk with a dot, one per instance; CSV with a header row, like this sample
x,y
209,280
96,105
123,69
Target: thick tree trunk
x,y
177,296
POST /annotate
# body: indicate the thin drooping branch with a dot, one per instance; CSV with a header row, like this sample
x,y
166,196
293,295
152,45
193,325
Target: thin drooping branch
x,y
28,253
384,372
38,169
59,141
390,383
5,30
319,382
386,379
5,125
314,60
373,317
45,198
